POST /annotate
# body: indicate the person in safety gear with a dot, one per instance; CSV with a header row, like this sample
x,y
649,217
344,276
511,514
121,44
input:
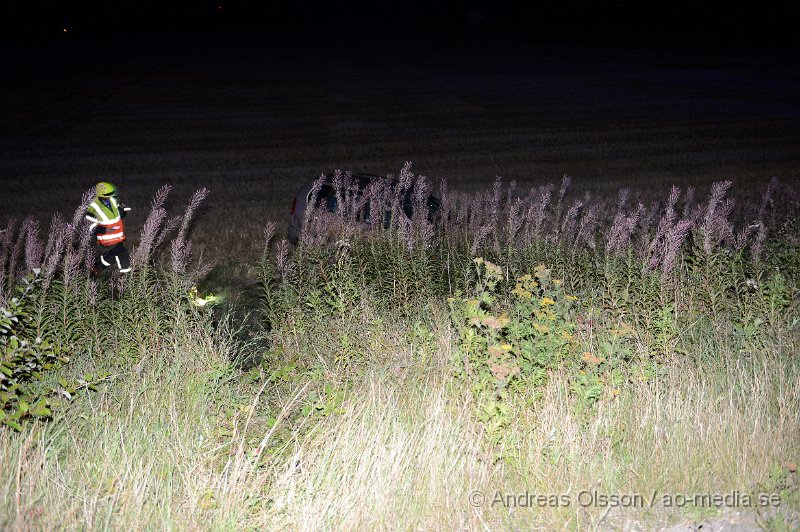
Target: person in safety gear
x,y
105,213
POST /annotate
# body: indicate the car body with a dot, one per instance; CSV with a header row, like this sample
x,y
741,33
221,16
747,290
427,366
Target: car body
x,y
327,200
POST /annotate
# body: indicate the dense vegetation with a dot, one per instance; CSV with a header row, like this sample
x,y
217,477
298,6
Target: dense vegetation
x,y
517,341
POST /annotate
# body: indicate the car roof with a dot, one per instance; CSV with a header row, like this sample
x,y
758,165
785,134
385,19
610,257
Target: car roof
x,y
363,179
371,177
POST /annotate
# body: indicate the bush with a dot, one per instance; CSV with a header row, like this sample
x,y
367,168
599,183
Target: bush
x,y
509,340
25,362
22,362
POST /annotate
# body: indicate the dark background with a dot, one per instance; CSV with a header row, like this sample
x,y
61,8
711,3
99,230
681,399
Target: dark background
x,y
674,24
253,99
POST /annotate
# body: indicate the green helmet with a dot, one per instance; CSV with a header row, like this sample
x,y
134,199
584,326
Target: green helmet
x,y
105,190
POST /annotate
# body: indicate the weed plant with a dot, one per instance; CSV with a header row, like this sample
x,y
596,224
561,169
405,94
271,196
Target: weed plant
x,y
602,296
514,341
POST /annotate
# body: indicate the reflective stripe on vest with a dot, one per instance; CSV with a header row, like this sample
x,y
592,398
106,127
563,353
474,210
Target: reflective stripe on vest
x,y
105,216
115,233
109,219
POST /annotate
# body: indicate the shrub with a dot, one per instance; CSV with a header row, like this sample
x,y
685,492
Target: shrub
x,y
22,362
510,340
26,360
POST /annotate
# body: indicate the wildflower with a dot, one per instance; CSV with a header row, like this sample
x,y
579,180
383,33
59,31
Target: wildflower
x,y
497,351
495,322
592,359
503,373
567,228
520,292
493,268
538,211
622,330
716,227
546,302
673,242
622,229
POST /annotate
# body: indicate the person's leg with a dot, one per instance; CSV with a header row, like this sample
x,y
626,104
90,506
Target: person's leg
x,y
122,258
116,256
104,259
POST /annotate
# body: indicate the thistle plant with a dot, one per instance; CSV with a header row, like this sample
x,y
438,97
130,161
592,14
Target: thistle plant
x,y
153,233
715,227
180,249
633,242
622,230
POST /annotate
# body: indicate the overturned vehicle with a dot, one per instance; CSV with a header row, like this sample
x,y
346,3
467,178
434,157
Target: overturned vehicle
x,y
342,203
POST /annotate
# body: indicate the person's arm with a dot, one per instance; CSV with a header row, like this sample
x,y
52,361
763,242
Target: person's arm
x,y
94,227
123,210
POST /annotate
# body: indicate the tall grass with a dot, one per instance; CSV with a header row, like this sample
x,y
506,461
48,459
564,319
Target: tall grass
x,y
676,371
400,454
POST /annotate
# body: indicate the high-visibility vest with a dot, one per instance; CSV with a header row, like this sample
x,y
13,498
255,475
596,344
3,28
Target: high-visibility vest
x,y
108,218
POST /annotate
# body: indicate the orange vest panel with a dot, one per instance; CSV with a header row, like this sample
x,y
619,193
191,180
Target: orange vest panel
x,y
115,233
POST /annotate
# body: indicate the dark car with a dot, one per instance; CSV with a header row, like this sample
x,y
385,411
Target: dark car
x,y
327,199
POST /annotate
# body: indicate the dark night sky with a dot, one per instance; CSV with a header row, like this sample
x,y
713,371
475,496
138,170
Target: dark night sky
x,y
762,25
614,66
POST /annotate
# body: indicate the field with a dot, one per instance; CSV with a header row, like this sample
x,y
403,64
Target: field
x,y
547,352
253,125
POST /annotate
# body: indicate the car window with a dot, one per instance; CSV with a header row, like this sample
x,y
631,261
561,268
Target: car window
x,y
363,182
326,197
